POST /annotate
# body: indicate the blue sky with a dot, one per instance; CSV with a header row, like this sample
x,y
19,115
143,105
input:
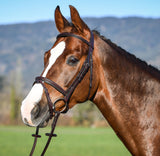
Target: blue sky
x,y
17,11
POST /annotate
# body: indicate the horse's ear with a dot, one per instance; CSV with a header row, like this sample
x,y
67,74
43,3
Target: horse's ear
x,y
61,22
79,23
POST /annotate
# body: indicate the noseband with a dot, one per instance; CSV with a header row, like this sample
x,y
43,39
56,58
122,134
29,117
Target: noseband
x,y
88,63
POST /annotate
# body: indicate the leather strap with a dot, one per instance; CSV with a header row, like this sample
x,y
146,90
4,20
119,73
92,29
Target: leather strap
x,y
51,83
66,34
50,135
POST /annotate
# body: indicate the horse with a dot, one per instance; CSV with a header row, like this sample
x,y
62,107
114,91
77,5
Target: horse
x,y
124,88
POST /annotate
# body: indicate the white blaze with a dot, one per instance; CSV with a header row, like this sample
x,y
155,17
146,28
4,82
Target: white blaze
x,y
36,92
55,53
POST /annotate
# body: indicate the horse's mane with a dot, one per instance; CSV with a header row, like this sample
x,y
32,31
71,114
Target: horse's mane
x,y
142,64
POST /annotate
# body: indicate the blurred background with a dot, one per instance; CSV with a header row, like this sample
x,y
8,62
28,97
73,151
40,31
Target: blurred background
x,y
27,30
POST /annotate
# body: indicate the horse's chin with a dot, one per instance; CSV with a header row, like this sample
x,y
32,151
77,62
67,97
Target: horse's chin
x,y
44,120
41,121
43,124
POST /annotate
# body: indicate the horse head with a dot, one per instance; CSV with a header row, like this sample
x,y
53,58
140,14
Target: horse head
x,y
62,64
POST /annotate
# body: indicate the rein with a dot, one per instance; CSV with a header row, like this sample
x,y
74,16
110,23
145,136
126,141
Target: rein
x,y
88,63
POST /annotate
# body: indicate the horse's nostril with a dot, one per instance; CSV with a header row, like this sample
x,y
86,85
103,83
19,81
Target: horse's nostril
x,y
35,111
25,120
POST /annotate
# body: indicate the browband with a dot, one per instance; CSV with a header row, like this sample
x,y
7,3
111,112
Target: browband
x,y
66,34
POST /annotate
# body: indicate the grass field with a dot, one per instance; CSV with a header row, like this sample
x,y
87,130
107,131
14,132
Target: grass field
x,y
77,141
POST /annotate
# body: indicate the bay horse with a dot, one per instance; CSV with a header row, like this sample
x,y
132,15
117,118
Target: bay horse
x,y
125,89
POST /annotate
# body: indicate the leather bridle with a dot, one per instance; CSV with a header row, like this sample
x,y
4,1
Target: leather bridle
x,y
68,93
88,64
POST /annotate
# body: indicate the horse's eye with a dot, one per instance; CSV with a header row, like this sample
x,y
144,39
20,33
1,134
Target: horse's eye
x,y
72,61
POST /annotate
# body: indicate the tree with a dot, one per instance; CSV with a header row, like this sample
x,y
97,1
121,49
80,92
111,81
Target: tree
x,y
14,105
15,92
2,82
85,114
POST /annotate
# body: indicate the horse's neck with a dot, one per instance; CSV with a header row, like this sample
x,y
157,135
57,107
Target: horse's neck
x,y
126,96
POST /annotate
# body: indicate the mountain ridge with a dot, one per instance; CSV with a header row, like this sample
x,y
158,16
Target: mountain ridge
x,y
28,41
